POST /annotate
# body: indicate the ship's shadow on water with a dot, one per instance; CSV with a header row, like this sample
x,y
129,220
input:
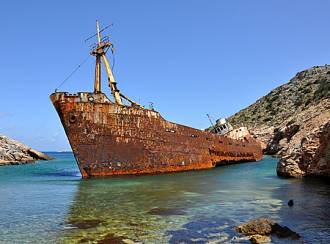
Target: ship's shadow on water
x,y
192,207
145,208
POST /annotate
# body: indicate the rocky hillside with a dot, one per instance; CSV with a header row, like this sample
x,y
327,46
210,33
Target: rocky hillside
x,y
291,121
14,152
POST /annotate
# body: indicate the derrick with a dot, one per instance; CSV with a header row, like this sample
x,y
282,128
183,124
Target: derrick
x,y
99,51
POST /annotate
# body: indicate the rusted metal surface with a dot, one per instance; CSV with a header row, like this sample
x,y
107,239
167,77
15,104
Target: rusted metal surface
x,y
109,139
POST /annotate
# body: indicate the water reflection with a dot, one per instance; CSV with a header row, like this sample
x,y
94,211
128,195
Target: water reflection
x,y
184,207
138,208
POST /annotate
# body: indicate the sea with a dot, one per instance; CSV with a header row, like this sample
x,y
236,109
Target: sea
x,y
49,202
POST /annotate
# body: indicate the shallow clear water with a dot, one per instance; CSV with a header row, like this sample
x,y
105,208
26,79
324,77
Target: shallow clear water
x,y
48,202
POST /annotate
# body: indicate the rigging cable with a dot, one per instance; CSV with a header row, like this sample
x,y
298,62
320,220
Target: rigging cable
x,y
74,71
99,32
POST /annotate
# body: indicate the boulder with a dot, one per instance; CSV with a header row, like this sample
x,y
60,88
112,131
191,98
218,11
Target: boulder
x,y
255,239
262,226
260,230
284,232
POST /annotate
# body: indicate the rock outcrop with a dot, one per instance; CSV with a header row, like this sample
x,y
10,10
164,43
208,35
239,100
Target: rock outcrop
x,y
311,156
292,122
14,152
260,230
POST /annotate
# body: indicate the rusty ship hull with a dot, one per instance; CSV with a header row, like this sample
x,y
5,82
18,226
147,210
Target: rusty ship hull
x,y
109,139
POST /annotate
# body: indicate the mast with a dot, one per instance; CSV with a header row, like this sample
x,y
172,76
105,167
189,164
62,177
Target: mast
x,y
97,83
100,53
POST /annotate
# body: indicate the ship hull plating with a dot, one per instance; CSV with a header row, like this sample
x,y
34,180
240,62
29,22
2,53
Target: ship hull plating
x,y
108,139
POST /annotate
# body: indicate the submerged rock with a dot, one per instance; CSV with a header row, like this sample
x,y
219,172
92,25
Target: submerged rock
x,y
111,238
13,152
260,230
290,203
284,232
86,240
166,211
86,223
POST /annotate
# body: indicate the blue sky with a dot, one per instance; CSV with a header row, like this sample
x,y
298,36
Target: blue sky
x,y
189,58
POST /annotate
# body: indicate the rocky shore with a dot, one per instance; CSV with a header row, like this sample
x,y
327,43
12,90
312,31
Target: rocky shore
x,y
309,154
13,152
292,122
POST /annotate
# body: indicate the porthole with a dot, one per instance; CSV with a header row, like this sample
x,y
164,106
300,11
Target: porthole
x,y
72,118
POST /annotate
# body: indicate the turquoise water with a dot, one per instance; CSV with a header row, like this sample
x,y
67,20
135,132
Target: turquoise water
x,y
48,202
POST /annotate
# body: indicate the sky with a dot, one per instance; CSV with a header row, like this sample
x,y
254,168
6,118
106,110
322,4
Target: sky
x,y
189,57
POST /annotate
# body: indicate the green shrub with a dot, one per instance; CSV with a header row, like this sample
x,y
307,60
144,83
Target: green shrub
x,y
323,89
306,90
298,102
267,119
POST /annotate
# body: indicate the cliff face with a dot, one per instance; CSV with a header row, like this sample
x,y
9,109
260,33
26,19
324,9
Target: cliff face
x,y
311,157
292,121
14,152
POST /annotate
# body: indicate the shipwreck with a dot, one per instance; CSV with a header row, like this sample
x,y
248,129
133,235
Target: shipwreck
x,y
119,136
